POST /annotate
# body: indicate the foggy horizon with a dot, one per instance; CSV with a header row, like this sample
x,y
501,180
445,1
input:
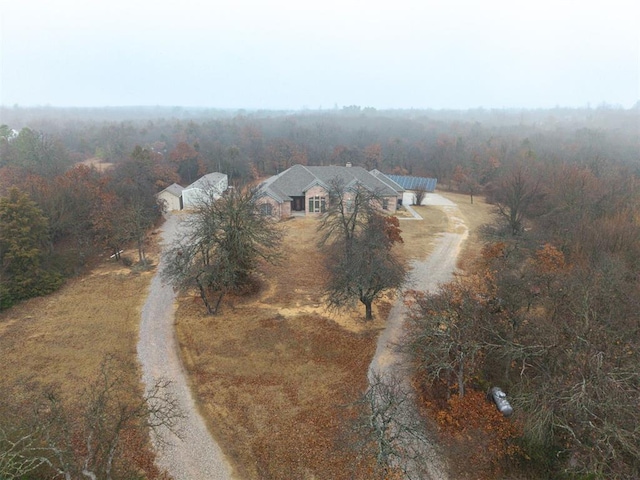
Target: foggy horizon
x,y
286,56
321,109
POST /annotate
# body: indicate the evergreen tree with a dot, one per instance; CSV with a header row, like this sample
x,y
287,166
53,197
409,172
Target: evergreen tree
x,y
24,236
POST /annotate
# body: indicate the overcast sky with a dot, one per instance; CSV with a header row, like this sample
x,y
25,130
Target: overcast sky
x,y
292,54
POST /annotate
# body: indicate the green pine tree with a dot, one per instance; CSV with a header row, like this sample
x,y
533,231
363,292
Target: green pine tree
x,y
24,236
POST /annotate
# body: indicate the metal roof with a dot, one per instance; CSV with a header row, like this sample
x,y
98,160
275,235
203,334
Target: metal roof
x,y
415,183
207,181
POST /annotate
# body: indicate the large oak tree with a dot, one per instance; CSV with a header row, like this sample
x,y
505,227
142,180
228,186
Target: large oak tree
x,y
223,243
358,242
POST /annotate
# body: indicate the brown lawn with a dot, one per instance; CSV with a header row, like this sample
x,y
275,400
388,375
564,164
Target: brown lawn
x,y
57,343
419,235
273,372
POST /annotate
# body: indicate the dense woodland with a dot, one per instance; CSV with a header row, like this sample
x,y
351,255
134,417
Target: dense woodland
x,y
550,311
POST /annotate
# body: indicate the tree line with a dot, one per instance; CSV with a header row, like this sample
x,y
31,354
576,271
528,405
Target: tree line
x,y
549,313
430,143
52,222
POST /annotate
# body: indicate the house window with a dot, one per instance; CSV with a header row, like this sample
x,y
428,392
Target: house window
x,y
385,204
349,205
317,204
266,209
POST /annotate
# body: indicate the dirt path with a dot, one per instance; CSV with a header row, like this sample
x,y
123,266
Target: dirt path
x,y
195,455
389,361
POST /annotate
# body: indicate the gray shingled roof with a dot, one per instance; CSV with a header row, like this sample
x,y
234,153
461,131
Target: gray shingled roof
x,y
174,189
385,178
274,192
290,183
295,181
357,174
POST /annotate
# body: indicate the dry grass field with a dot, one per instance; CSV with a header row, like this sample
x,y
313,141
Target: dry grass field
x,y
57,343
418,235
60,340
271,373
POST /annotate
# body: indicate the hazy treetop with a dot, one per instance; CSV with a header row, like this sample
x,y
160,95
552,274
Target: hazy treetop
x,y
285,54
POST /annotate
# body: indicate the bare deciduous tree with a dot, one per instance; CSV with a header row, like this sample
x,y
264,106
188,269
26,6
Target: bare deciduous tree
x,y
389,430
348,211
418,195
358,241
93,437
515,196
364,268
224,241
20,451
447,330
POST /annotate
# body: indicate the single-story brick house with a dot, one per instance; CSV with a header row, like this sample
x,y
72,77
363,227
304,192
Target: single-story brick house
x,y
304,190
210,185
171,197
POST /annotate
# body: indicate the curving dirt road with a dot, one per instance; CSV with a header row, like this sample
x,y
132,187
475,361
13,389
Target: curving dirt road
x,y
389,361
193,455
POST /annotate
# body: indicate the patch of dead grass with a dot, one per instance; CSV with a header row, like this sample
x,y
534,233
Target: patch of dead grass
x,y
273,372
419,235
60,340
272,388
57,343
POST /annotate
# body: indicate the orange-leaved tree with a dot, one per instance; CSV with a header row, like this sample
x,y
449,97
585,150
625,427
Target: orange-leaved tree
x,y
448,331
477,435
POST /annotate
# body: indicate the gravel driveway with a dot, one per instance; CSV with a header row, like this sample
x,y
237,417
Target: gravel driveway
x,y
389,360
195,455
